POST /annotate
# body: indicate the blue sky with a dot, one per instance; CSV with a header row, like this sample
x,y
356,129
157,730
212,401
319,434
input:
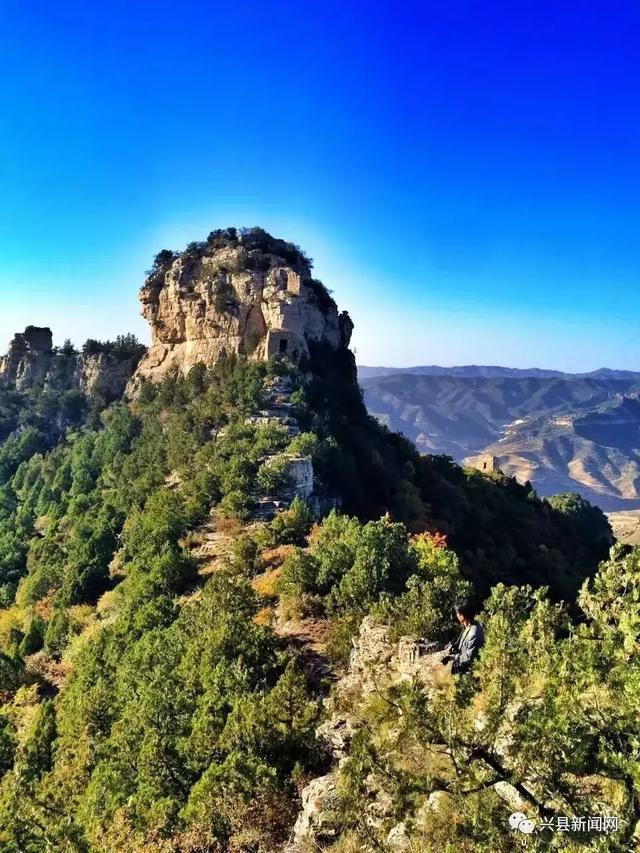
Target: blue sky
x,y
465,174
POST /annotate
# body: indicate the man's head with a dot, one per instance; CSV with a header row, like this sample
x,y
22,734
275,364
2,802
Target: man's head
x,y
465,611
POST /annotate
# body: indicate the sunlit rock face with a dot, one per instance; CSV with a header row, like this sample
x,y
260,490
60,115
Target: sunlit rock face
x,y
238,292
32,361
28,358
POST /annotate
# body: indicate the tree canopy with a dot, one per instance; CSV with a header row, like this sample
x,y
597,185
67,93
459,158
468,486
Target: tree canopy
x,y
149,705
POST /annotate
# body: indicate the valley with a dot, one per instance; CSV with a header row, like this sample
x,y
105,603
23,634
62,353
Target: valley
x,y
559,432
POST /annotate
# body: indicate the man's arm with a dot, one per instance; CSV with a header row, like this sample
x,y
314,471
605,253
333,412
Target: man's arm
x,y
455,645
451,648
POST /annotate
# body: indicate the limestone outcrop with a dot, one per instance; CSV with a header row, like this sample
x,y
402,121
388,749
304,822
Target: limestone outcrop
x,y
236,293
102,373
32,360
375,662
28,358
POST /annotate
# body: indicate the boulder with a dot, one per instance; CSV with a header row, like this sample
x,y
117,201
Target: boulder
x,y
315,821
397,838
336,734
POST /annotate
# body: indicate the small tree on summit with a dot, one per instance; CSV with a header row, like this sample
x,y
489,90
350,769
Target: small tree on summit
x,y
162,260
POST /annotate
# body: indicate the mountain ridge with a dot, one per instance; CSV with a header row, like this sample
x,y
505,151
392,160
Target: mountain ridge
x,y
532,424
184,573
494,371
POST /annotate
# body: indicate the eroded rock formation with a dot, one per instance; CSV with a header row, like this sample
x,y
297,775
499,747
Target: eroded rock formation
x,y
376,662
31,360
28,358
238,292
103,373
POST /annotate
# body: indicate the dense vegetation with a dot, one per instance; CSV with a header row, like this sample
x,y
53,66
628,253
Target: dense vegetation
x,y
49,412
150,707
551,711
123,347
500,528
256,248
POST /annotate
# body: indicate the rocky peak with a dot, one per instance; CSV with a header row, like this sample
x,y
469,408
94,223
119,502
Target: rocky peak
x,y
102,368
242,292
28,357
35,339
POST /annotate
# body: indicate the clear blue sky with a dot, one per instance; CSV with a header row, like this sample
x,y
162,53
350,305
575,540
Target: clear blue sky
x,y
465,174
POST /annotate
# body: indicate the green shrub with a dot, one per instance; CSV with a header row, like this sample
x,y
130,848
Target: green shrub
x,y
7,744
426,609
224,296
271,438
304,444
299,574
273,476
235,504
341,634
57,632
124,347
298,398
245,556
292,526
10,675
37,753
33,640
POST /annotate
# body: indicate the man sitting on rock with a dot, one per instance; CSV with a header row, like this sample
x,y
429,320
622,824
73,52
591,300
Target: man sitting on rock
x,y
465,649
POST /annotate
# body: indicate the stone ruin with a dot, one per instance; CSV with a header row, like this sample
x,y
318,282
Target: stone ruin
x,y
484,462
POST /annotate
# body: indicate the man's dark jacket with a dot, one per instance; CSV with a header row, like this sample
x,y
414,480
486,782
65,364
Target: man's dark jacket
x,y
467,646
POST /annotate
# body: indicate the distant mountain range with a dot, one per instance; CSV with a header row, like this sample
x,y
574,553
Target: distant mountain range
x,y
563,432
473,371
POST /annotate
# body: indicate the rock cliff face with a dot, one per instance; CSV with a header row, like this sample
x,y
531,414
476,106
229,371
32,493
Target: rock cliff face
x,y
103,373
238,292
28,358
31,360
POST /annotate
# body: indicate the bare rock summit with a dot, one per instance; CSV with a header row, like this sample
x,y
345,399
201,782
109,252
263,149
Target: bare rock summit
x,y
238,292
